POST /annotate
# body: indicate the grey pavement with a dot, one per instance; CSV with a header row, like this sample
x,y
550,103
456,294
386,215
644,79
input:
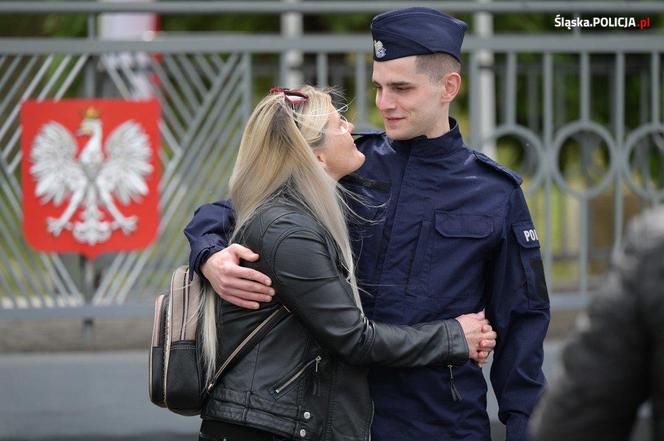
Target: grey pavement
x,y
102,396
83,395
96,396
62,381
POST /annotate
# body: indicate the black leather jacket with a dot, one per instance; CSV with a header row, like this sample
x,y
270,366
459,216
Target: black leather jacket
x,y
615,360
307,378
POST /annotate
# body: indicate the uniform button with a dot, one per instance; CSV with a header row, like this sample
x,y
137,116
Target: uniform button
x,y
303,433
307,415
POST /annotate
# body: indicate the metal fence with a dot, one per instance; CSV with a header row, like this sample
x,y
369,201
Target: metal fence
x,y
591,159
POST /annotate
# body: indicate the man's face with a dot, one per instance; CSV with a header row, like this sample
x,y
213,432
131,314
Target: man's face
x,y
409,101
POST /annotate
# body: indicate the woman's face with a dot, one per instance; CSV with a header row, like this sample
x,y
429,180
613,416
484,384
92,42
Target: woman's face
x,y
338,153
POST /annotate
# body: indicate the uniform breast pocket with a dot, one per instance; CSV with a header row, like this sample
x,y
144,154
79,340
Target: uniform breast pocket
x,y
450,257
531,261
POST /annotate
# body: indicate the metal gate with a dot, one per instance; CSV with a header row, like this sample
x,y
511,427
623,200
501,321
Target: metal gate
x,y
587,169
205,98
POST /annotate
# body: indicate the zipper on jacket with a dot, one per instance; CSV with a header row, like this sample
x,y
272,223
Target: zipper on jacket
x,y
298,374
456,396
239,348
315,387
373,409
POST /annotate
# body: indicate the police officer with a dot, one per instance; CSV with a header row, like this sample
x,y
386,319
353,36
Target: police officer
x,y
450,233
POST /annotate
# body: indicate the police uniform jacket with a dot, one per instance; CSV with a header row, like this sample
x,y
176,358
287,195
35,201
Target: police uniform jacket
x,y
447,231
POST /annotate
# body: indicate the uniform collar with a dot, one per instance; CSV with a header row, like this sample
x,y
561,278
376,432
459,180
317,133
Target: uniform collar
x,y
444,145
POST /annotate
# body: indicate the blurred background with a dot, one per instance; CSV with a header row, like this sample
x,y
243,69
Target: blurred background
x,y
577,111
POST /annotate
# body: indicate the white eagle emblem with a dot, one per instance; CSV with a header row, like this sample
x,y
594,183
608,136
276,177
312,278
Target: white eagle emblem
x,y
379,49
92,180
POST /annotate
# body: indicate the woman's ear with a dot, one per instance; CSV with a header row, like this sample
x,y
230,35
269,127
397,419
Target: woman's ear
x,y
451,86
322,159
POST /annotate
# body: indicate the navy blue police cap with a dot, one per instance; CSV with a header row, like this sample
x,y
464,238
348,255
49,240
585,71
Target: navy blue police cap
x,y
416,31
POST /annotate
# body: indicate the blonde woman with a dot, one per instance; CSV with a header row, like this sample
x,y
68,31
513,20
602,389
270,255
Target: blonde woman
x,y
306,379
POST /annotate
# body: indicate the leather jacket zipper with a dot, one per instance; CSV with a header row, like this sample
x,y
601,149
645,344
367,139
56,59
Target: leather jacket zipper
x,y
456,396
298,374
242,344
373,409
315,388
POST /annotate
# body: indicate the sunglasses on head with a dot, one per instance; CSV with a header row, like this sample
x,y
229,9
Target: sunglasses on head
x,y
291,96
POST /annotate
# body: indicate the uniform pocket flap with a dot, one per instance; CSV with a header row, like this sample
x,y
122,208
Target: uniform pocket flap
x,y
526,235
463,225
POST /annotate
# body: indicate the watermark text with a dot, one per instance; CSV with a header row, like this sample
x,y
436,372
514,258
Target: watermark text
x,y
602,22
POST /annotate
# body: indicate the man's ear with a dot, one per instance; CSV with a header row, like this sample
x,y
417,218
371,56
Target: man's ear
x,y
451,83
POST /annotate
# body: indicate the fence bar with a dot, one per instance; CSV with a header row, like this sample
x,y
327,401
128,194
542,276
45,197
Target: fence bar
x,y
107,312
510,89
547,121
9,97
186,93
475,100
321,69
619,130
559,42
9,72
655,85
585,86
361,88
584,242
192,75
316,7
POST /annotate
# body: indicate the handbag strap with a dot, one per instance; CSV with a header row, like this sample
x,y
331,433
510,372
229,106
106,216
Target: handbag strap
x,y
249,342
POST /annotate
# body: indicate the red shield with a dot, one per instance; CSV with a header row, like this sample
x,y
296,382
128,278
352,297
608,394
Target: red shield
x,y
90,173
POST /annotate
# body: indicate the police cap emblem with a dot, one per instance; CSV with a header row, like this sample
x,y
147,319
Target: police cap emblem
x,y
379,49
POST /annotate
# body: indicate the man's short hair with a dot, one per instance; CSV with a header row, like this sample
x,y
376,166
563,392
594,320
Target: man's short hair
x,y
437,65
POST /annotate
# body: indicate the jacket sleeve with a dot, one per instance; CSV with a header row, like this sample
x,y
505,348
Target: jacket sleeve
x,y
518,309
607,364
311,285
208,232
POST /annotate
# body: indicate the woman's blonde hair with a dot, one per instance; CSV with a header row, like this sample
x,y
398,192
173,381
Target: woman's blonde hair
x,y
276,155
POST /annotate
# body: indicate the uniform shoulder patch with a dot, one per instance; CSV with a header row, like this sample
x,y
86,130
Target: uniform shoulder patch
x,y
499,167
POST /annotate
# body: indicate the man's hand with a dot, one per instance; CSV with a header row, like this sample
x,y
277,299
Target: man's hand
x,y
480,336
243,287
